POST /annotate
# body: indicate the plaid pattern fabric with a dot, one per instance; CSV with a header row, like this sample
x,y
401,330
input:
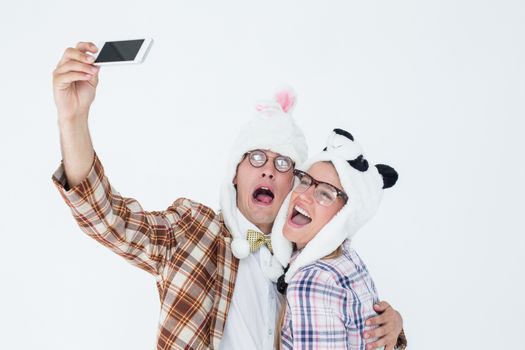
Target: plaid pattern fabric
x,y
327,304
186,247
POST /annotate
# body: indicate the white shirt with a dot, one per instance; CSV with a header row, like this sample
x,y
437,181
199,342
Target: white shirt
x,y
250,323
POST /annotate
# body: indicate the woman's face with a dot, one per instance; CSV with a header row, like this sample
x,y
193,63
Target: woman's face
x,y
300,228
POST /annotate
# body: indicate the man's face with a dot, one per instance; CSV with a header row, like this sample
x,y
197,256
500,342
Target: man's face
x,y
261,191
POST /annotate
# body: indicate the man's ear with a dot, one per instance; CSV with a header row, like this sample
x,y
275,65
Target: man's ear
x,y
234,181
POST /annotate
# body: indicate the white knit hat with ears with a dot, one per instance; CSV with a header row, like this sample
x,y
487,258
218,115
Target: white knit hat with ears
x,y
362,183
271,128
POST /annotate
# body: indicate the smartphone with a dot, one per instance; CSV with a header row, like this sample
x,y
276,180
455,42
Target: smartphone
x,y
122,52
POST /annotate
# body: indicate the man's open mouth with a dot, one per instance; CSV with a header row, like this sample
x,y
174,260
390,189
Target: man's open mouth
x,y
300,217
263,195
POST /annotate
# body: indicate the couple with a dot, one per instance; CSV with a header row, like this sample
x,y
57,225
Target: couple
x,y
215,272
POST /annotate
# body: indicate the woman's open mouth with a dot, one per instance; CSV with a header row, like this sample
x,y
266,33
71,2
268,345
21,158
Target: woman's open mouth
x,y
299,217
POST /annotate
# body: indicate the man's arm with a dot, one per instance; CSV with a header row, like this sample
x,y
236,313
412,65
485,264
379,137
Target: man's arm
x,y
144,238
74,85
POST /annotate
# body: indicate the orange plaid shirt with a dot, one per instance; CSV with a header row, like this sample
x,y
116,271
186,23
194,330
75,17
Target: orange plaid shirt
x,y
186,247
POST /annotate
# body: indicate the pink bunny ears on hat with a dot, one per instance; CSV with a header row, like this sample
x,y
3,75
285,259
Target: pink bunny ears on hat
x,y
285,100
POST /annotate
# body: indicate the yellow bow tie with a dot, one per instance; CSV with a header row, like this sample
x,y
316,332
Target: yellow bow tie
x,y
257,239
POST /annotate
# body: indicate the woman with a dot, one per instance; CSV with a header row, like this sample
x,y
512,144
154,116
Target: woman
x,y
330,293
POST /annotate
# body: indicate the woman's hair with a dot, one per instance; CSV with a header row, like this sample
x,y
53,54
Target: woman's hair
x,y
335,254
282,298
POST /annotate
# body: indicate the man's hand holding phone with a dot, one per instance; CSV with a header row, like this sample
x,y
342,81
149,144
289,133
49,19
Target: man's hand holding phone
x,y
76,77
75,81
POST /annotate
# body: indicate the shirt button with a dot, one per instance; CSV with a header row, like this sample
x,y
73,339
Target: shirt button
x,y
270,331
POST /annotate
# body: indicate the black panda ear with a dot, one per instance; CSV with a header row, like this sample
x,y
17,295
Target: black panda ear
x,y
344,133
389,174
359,163
324,149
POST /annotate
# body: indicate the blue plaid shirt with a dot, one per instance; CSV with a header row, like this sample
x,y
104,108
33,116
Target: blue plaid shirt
x,y
327,304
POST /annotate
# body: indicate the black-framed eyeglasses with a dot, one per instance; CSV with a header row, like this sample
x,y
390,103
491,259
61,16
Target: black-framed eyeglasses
x,y
258,158
324,193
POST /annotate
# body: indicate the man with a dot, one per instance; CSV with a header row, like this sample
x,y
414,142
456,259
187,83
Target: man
x,y
214,284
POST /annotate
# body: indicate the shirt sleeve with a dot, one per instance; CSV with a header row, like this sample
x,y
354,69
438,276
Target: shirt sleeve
x,y
314,300
145,239
401,341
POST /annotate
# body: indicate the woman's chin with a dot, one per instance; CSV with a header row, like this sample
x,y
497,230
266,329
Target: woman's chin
x,y
289,233
292,233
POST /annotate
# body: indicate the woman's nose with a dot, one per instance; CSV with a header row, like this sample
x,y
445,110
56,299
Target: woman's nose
x,y
308,195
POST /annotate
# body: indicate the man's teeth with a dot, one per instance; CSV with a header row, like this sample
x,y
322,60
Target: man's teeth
x,y
302,211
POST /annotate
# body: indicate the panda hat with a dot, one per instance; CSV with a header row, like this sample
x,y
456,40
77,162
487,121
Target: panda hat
x,y
362,183
271,128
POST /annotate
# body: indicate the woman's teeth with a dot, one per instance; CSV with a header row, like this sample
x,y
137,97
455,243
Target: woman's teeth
x,y
300,216
302,211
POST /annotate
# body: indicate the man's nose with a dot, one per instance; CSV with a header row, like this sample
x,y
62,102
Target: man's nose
x,y
268,170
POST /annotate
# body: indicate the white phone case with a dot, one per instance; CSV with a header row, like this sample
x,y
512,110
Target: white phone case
x,y
139,58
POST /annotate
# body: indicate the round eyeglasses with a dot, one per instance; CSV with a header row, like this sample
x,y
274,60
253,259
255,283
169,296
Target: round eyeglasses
x,y
324,193
258,158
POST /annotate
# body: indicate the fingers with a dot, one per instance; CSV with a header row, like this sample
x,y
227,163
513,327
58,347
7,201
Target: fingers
x,y
388,322
376,320
72,71
381,306
388,343
65,79
387,314
79,53
87,46
76,66
378,332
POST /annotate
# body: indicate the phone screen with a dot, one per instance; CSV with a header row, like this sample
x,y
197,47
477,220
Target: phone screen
x,y
115,51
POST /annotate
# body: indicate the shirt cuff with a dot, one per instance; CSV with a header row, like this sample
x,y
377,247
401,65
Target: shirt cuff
x,y
401,341
84,188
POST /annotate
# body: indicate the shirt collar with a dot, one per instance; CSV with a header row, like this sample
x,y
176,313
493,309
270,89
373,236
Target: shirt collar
x,y
244,224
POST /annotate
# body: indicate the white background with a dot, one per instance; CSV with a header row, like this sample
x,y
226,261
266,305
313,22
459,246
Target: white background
x,y
434,89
